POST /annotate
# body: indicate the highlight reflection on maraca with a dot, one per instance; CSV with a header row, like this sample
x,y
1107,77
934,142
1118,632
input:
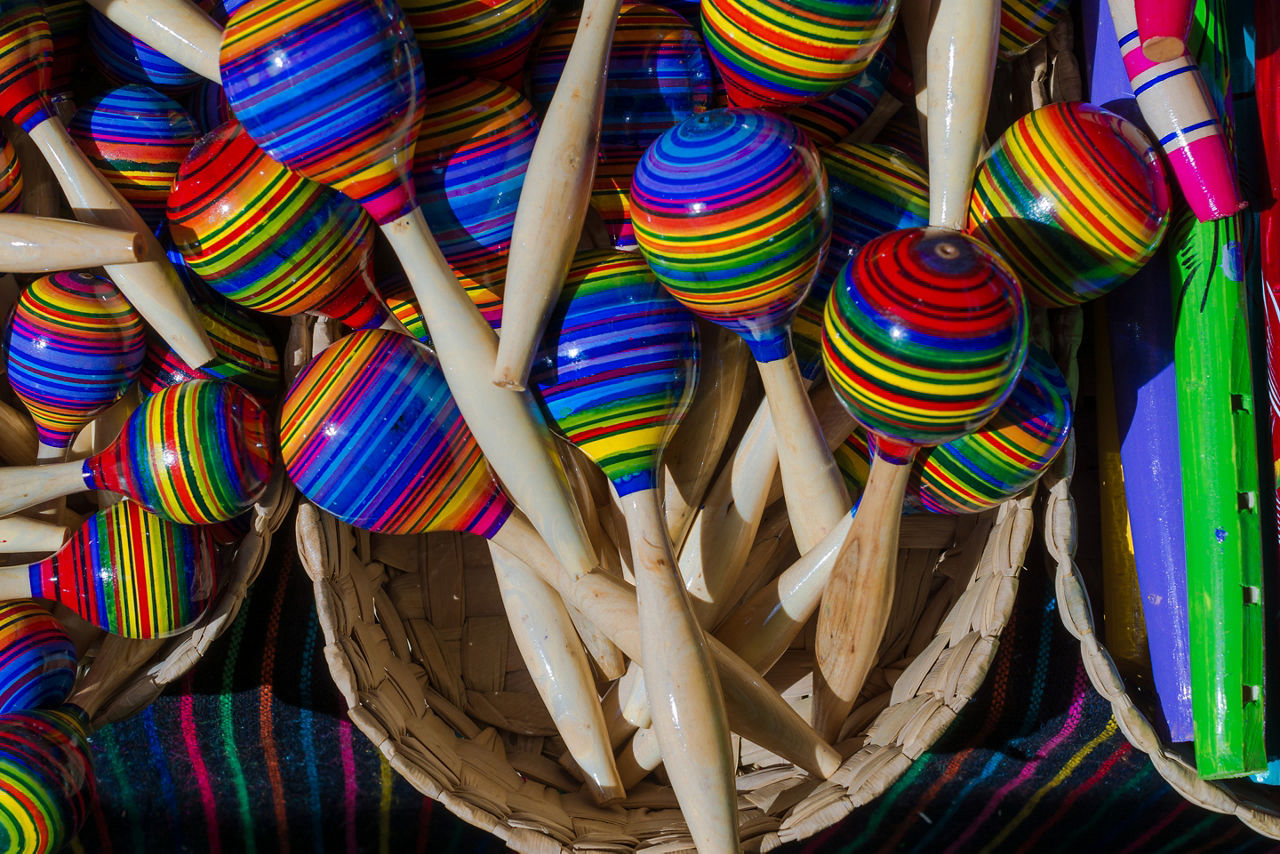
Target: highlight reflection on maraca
x,y
46,778
194,453
126,571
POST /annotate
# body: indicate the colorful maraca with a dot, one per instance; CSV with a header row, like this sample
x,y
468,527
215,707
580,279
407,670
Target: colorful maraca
x,y
126,571
269,239
485,38
46,779
177,30
834,117
778,53
611,198
37,658
621,360
469,165
923,339
38,244
151,286
1074,198
67,32
730,209
74,345
123,58
10,177
136,138
1025,22
194,453
332,89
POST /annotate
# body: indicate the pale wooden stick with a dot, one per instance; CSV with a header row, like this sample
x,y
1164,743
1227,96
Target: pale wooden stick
x,y
20,535
557,189
22,487
17,437
176,28
36,244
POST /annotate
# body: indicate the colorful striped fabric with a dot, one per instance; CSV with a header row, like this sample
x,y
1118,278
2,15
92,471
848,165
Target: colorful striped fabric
x,y
10,178
370,433
484,38
37,658
333,90
25,60
618,366
194,453
130,572
46,779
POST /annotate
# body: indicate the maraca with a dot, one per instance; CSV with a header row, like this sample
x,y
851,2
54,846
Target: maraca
x,y
194,453
37,658
611,198
620,365
484,38
730,210
74,346
10,177
66,31
137,138
397,295
1025,22
831,119
19,535
779,53
269,239
46,778
151,285
126,571
1074,198
124,58
176,29
332,89
38,244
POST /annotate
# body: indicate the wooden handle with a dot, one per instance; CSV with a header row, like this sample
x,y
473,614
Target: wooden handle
x,y
855,606
508,427
17,437
176,28
961,60
545,635
557,188
26,486
685,697
15,582
151,286
19,535
811,480
35,244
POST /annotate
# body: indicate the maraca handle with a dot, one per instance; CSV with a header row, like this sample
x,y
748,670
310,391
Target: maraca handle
x,y
1162,27
506,426
36,244
557,188
151,286
17,436
176,28
19,534
685,696
961,62
15,582
26,486
549,645
856,604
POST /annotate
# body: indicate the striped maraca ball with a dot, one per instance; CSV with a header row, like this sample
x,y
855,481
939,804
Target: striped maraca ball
x,y
46,779
245,355
924,335
137,138
1074,198
269,239
37,658
74,346
370,433
208,107
346,124
469,166
834,117
853,456
730,209
618,365
195,453
397,294
485,38
1001,458
123,59
1025,22
611,198
67,29
903,133
873,189
658,74
778,53
25,62
10,178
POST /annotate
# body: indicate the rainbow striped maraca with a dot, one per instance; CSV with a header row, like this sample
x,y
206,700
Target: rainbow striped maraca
x,y
126,571
37,658
46,779
269,239
616,375
834,117
924,335
194,453
10,178
136,138
1074,198
1025,22
333,89
778,53
730,209
611,198
469,165
123,58
74,346
485,38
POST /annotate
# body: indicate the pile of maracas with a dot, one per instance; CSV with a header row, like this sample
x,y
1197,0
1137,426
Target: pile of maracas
x,y
775,218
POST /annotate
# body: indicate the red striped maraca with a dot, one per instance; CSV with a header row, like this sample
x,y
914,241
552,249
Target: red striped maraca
x,y
484,38
74,345
332,89
831,119
10,178
126,571
269,239
195,453
151,285
37,658
46,778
